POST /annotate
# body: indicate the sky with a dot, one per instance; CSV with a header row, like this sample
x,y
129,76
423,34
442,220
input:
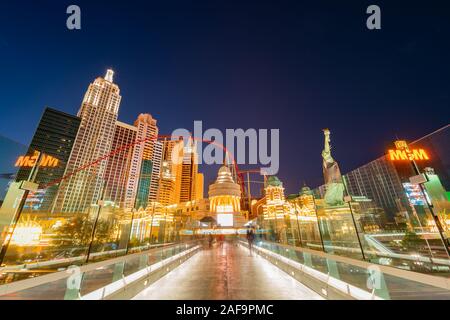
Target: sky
x,y
297,66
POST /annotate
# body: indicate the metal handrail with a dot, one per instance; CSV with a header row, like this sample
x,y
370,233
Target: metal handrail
x,y
439,282
71,259
33,282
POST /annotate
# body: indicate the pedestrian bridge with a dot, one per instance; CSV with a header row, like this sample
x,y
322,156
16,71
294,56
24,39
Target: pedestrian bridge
x,y
226,271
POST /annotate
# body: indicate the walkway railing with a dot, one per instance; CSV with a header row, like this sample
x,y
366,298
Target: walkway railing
x,y
100,280
335,276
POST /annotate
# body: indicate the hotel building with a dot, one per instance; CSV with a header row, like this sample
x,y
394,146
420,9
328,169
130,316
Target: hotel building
x,y
54,136
88,161
140,184
225,199
171,171
119,165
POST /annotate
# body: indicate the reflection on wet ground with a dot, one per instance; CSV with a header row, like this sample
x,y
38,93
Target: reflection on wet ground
x,y
227,272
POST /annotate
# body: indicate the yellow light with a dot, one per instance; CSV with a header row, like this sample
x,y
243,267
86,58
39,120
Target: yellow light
x,y
26,235
401,144
224,208
30,161
402,152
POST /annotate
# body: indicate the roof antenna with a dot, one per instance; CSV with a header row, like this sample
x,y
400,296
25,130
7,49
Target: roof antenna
x,y
109,75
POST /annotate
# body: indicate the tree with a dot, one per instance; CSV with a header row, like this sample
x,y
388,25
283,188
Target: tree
x,y
77,231
411,241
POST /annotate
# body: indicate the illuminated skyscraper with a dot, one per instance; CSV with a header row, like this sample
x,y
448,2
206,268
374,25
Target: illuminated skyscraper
x,y
199,182
54,136
171,171
119,164
88,160
139,184
156,171
189,172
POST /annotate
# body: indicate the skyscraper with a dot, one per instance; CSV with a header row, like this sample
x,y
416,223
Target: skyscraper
x,y
189,172
88,161
171,171
199,182
140,188
54,136
119,164
156,170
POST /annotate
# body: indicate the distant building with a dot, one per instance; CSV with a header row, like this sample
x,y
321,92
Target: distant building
x,y
54,136
225,199
11,150
275,202
380,183
99,109
171,171
142,188
156,170
119,165
189,172
199,186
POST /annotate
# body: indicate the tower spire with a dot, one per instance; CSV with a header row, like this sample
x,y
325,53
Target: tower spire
x,y
109,75
225,158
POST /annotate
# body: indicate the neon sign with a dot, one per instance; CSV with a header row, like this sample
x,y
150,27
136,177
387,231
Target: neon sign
x,y
402,152
30,161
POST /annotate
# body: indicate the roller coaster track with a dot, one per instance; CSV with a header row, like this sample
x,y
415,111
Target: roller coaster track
x,y
140,141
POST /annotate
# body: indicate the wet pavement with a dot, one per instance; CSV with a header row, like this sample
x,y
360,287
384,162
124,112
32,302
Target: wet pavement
x,y
227,272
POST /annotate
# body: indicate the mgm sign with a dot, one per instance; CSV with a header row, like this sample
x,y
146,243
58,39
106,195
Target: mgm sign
x,y
403,152
43,160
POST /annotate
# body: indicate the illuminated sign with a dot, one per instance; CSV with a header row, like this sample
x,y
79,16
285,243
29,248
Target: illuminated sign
x,y
225,219
401,144
402,152
30,161
414,194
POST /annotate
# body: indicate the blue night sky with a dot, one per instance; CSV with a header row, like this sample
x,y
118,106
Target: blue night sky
x,y
298,66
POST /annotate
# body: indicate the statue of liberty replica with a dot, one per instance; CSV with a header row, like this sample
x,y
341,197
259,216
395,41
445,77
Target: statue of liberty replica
x,y
334,186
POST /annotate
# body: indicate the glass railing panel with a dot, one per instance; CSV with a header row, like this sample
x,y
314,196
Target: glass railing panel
x,y
437,170
337,228
402,289
11,195
395,216
134,264
112,233
298,257
76,284
371,279
351,274
153,257
47,226
100,277
319,264
41,238
54,290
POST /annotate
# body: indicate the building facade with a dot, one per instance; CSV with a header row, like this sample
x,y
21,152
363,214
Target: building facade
x,y
199,186
169,189
189,172
55,137
142,188
87,163
225,199
119,165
